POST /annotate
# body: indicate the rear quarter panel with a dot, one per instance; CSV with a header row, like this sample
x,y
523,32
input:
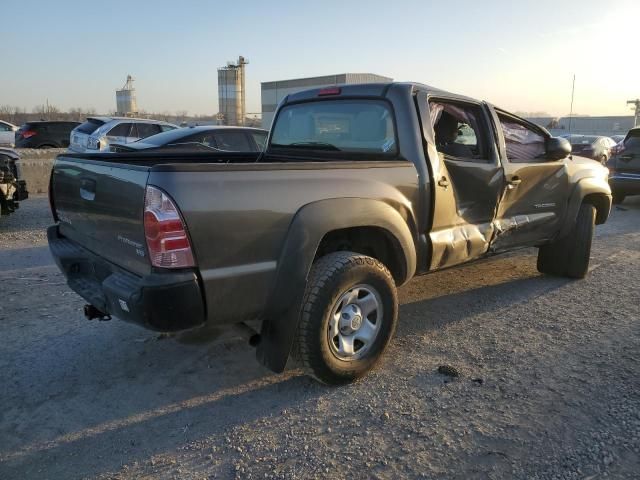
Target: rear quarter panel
x,y
238,217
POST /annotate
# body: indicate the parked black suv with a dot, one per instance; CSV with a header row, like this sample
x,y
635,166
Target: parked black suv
x,y
624,167
44,134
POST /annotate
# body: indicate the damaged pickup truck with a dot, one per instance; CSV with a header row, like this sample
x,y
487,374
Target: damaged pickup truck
x,y
12,189
360,188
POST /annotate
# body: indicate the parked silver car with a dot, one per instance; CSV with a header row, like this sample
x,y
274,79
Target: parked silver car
x,y
7,133
97,133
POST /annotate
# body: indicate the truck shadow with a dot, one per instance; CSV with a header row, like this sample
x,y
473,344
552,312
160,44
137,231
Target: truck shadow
x,y
116,394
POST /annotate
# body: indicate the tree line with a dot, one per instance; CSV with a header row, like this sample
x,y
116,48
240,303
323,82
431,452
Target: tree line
x,y
19,116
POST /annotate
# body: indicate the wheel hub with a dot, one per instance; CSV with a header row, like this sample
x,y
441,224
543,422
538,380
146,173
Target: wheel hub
x,y
350,319
355,321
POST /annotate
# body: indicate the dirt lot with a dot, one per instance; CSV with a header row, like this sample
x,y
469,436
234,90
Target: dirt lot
x,y
550,384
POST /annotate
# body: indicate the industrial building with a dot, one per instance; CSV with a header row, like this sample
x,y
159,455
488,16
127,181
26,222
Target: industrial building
x,y
274,92
231,93
126,104
608,125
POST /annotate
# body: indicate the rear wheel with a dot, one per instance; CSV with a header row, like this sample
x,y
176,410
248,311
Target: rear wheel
x,y
349,315
618,198
569,256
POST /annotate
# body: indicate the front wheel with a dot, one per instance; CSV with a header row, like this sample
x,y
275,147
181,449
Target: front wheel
x,y
349,315
569,256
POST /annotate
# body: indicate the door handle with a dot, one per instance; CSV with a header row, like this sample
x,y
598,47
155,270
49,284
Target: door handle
x,y
626,158
443,182
513,182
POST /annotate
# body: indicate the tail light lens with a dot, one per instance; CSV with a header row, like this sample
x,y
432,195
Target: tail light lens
x,y
28,133
165,232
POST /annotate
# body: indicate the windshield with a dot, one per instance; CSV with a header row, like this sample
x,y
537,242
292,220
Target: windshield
x,y
354,126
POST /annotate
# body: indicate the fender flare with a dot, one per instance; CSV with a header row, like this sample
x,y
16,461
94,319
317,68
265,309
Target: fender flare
x,y
584,188
309,225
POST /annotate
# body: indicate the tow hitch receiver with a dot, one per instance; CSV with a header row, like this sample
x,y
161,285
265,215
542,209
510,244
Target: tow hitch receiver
x,y
91,313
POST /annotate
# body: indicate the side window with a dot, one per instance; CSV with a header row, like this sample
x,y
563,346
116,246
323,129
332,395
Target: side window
x,y
166,128
147,129
4,128
232,141
460,131
523,143
260,138
120,130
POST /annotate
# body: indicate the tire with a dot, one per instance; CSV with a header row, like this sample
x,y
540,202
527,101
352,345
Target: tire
x,y
618,198
340,283
569,256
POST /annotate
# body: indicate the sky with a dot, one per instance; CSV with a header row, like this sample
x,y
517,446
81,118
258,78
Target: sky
x,y
518,55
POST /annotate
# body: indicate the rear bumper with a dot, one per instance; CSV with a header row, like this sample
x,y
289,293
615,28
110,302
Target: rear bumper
x,y
625,183
162,301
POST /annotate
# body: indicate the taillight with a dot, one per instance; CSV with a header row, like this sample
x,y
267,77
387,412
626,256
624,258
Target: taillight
x,y
28,133
166,234
329,91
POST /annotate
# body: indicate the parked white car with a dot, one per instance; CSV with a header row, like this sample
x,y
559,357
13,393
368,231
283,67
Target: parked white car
x,y
7,133
97,133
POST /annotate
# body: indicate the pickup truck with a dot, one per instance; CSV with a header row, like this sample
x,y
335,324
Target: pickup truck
x,y
360,188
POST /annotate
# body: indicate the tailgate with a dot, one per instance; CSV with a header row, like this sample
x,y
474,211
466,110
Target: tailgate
x,y
100,206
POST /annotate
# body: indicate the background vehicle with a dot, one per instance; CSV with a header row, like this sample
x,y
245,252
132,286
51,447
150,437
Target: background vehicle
x,y
619,139
592,146
12,189
44,134
7,134
360,188
624,167
97,133
203,138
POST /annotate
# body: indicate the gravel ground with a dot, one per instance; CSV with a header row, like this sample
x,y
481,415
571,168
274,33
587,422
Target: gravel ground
x,y
549,384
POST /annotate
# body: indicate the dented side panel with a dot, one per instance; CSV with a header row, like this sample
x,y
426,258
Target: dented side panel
x,y
530,213
465,196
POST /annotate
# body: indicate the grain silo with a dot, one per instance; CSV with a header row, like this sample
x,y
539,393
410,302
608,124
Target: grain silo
x,y
231,92
126,99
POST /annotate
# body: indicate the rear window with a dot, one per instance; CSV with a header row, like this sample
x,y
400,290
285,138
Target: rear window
x,y
352,126
90,126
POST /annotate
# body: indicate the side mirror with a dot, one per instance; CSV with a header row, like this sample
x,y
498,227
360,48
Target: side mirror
x,y
558,148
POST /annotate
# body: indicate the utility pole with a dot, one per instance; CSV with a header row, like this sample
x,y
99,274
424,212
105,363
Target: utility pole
x,y
573,89
636,107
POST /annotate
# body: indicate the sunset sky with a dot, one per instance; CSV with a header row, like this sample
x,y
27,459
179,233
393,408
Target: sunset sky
x,y
522,58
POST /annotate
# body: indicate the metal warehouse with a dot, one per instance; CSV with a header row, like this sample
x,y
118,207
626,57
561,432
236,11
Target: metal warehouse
x,y
274,92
